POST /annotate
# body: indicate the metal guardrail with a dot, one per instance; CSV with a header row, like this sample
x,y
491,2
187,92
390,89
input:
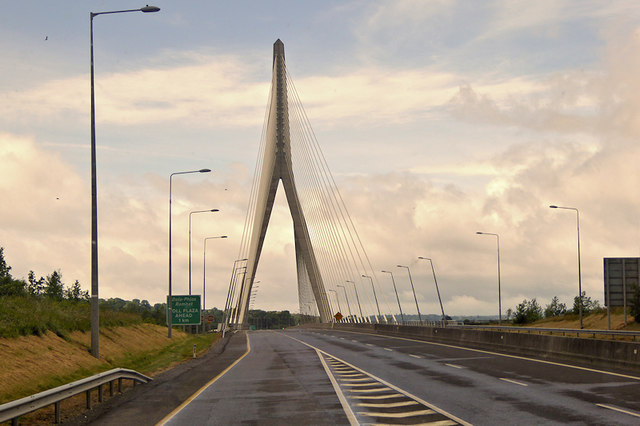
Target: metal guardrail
x,y
15,409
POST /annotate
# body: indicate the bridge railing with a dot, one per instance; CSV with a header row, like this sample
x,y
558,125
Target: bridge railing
x,y
15,409
634,335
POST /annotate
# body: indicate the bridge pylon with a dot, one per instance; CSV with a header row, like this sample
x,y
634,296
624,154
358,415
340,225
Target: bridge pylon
x,y
277,167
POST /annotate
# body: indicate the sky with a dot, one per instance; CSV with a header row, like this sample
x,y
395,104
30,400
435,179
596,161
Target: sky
x,y
438,119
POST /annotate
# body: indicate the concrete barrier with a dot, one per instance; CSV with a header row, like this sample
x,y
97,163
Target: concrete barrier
x,y
586,351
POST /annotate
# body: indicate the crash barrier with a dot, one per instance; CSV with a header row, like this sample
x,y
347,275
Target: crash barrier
x,y
15,409
582,348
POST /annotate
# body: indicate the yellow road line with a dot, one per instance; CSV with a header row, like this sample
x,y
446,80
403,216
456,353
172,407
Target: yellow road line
x,y
513,381
611,407
399,415
212,381
388,405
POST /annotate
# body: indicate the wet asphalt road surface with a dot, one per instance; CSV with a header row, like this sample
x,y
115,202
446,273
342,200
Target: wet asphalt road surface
x,y
283,381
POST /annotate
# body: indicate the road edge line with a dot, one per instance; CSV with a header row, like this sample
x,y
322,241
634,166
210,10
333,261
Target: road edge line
x,y
336,387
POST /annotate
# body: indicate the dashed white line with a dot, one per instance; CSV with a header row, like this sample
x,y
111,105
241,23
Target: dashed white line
x,y
513,381
388,349
415,356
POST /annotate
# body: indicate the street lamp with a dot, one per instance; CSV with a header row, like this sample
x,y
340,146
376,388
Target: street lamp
x,y
444,318
169,312
204,268
499,295
190,213
346,297
579,272
374,296
414,291
396,290
358,299
95,310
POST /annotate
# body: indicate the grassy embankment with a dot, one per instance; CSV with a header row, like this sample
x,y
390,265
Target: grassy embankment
x,y
593,321
46,344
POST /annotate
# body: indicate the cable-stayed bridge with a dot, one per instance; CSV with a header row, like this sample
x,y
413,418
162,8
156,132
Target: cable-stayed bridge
x,y
333,271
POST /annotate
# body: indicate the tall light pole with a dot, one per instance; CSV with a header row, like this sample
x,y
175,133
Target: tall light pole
x,y
396,290
579,271
169,319
374,296
499,295
337,299
414,291
95,309
444,318
346,297
204,268
358,299
191,213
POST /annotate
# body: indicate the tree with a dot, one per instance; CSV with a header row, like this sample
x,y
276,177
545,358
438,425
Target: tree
x,y
76,293
527,312
555,308
35,287
54,288
9,286
4,268
588,305
634,303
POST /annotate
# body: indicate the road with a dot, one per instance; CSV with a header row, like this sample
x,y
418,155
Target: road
x,y
334,377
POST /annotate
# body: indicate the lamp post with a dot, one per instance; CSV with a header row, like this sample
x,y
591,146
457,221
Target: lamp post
x,y
444,318
95,310
337,299
204,268
346,297
414,291
579,271
396,290
374,296
191,213
358,299
499,294
169,312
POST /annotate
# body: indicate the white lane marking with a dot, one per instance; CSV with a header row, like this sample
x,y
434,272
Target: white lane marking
x,y
336,387
369,344
415,356
611,407
541,361
515,382
454,366
388,349
188,401
384,382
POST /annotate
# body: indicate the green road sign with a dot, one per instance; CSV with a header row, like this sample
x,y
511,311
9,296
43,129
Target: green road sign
x,y
185,310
